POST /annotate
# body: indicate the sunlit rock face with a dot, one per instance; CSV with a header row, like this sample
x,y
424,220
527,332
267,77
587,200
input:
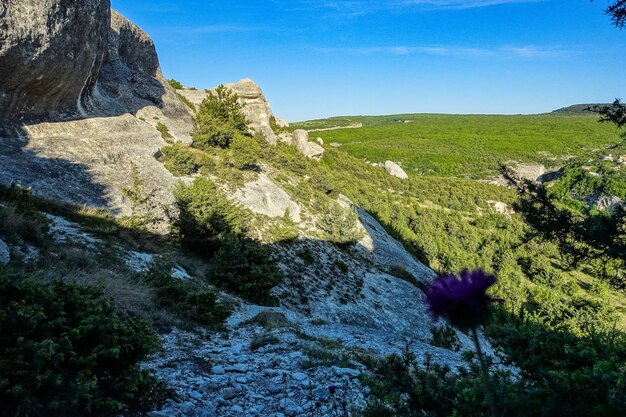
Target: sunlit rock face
x,y
51,52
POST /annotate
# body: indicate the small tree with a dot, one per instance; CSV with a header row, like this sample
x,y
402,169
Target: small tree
x,y
218,119
245,151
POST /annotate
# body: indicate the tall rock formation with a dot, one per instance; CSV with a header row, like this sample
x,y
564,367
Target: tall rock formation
x,y
51,52
72,59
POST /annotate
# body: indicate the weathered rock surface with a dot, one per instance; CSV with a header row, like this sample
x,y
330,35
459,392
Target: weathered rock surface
x,y
5,253
51,52
86,69
308,149
532,172
263,196
395,170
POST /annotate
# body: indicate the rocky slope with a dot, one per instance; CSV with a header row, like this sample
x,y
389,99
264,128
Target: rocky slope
x,y
81,93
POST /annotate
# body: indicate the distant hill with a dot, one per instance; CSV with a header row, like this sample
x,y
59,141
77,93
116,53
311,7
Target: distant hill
x,y
579,109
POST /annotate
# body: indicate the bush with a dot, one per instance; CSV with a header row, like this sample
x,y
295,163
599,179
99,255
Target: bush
x,y
445,337
218,119
175,84
19,218
187,102
245,267
244,151
205,217
340,225
186,300
179,160
64,351
164,131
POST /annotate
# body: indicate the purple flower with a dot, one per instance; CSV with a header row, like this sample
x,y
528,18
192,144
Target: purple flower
x,y
464,303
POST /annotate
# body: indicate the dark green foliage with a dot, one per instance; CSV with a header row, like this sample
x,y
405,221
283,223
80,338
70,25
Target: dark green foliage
x,y
613,113
218,119
64,352
175,84
244,151
445,337
179,160
340,225
19,218
245,267
205,217
307,255
584,233
213,227
187,300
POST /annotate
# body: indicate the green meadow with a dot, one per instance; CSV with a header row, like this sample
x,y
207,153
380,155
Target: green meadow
x,y
471,146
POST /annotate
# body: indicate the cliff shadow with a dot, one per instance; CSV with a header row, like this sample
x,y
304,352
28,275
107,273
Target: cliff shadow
x,y
52,177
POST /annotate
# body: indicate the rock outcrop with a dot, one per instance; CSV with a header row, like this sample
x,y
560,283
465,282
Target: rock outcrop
x,y
263,196
532,172
395,170
68,59
255,105
308,149
51,53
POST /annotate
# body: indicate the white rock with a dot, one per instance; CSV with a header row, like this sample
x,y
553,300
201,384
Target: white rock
x,y
395,170
263,196
178,272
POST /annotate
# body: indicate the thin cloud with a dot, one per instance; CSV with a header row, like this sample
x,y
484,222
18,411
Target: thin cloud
x,y
355,8
526,52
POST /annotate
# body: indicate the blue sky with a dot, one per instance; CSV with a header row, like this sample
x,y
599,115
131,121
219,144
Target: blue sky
x,y
326,58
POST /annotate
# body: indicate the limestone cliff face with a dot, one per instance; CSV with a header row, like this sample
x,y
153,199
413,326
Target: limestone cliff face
x,y
81,92
68,59
51,52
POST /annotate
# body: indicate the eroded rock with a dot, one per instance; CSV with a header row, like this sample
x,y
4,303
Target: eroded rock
x,y
395,170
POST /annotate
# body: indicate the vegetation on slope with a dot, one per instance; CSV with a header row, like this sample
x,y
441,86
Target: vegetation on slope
x,y
471,146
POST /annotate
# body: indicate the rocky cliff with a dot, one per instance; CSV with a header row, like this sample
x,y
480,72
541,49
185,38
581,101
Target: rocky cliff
x,y
68,59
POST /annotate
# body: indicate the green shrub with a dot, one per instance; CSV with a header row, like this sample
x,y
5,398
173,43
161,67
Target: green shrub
x,y
179,160
218,119
175,84
244,151
340,225
445,337
205,217
19,218
185,299
164,131
64,352
245,267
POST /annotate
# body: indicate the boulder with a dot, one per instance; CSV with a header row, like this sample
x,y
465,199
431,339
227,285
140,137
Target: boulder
x,y
70,59
394,169
263,196
51,53
308,149
5,253
282,122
